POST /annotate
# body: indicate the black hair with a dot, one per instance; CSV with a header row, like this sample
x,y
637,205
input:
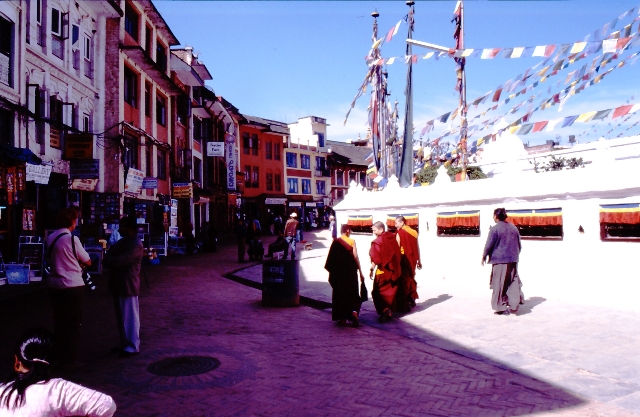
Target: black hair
x,y
33,350
500,213
129,223
345,228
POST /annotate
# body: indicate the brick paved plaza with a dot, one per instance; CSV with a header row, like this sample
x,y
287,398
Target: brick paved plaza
x,y
450,357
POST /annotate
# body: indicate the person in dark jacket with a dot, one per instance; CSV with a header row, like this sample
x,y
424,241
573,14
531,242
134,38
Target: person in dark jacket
x,y
124,261
503,251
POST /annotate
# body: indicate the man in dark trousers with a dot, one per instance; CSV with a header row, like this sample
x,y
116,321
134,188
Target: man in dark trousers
x,y
343,266
124,261
503,249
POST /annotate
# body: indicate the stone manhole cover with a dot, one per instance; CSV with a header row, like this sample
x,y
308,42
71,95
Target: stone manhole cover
x,y
183,366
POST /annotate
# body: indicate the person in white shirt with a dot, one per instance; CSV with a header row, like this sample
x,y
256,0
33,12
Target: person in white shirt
x,y
66,286
30,391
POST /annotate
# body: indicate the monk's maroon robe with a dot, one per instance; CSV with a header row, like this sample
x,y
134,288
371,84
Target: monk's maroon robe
x,y
385,253
409,260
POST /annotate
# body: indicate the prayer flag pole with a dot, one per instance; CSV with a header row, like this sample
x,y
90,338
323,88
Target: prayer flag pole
x,y
404,167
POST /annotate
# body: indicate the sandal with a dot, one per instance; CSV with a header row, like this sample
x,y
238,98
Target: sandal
x,y
354,321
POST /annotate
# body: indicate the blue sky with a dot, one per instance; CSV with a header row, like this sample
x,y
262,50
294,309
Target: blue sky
x,y
285,60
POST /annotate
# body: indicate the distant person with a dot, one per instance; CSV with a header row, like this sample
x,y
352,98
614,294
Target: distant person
x,y
333,227
257,227
241,236
124,261
385,260
66,287
279,245
343,265
503,250
407,239
30,391
291,234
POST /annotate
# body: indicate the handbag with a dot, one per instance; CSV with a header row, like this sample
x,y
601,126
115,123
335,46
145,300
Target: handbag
x,y
364,295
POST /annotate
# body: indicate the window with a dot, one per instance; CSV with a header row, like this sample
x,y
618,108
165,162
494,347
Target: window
x,y
147,40
254,144
59,32
182,109
197,170
320,163
269,181
255,179
131,152
162,164
87,57
161,110
161,57
340,194
130,87
276,151
131,21
246,143
6,51
352,177
305,161
277,181
207,129
538,223
39,11
41,32
147,99
268,150
293,185
56,22
320,187
306,186
339,177
197,129
320,140
292,160
6,126
86,123
147,156
55,111
247,176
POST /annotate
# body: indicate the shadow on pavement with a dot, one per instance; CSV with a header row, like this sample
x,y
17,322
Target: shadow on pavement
x,y
529,305
431,302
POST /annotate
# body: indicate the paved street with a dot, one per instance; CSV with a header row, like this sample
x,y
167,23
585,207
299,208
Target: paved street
x,y
450,357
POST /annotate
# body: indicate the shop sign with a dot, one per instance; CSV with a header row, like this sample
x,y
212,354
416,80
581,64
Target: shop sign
x,y
84,185
54,137
295,204
279,201
87,169
173,231
182,190
133,184
78,146
326,200
215,149
59,166
310,204
38,173
231,158
149,183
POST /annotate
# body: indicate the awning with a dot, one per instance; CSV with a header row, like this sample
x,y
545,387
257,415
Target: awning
x,y
360,221
9,154
620,213
411,220
452,219
541,217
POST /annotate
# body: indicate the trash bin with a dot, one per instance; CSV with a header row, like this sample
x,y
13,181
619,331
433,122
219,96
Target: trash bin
x,y
280,283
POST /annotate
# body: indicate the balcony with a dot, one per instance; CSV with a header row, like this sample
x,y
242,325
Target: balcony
x,y
322,173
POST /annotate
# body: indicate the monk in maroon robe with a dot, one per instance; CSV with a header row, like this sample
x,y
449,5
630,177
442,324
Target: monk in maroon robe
x,y
385,259
407,239
343,266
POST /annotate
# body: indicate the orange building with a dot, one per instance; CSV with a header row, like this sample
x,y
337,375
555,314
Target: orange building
x,y
261,161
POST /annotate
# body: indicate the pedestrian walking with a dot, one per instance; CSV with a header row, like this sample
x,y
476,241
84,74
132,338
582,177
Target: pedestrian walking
x,y
291,235
333,227
124,261
503,251
385,261
343,265
407,239
67,257
30,390
241,236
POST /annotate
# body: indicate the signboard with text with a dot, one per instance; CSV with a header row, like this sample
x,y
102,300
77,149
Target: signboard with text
x,y
84,185
215,149
78,146
231,159
87,169
182,190
133,184
38,173
149,183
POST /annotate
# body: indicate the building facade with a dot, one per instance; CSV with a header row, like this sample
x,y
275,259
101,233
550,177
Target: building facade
x,y
307,177
347,162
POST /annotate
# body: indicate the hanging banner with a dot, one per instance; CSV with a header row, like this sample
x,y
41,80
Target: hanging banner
x,y
133,184
231,158
38,173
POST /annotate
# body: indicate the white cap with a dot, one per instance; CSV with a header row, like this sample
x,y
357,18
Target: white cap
x,y
293,214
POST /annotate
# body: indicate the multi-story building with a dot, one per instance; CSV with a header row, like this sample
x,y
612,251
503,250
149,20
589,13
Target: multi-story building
x,y
140,139
52,100
347,162
307,177
261,155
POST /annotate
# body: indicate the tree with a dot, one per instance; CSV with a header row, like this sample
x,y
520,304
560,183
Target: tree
x,y
557,163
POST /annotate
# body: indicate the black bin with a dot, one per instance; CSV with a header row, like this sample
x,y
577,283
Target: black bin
x,y
280,283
